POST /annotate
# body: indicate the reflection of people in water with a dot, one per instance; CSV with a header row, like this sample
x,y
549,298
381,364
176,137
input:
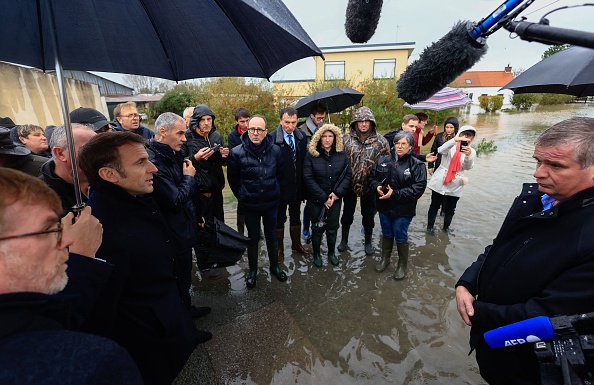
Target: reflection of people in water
x,y
542,260
447,182
399,181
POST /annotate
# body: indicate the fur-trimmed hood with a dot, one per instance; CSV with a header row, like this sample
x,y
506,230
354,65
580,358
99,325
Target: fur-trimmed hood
x,y
315,139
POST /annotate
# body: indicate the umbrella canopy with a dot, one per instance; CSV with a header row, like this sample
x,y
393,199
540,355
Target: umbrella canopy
x,y
444,99
172,39
570,71
335,99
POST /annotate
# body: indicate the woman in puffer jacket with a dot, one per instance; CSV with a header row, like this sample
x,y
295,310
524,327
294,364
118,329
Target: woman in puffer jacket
x,y
327,177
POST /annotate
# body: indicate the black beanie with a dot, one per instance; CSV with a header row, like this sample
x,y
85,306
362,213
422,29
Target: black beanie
x,y
453,121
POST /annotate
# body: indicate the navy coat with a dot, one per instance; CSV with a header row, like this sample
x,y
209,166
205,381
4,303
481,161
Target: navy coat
x,y
254,179
141,307
541,263
291,180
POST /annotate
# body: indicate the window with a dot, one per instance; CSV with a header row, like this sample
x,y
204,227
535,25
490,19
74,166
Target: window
x,y
384,68
468,81
334,70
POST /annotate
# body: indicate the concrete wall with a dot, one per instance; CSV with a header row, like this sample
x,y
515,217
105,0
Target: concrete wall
x,y
31,96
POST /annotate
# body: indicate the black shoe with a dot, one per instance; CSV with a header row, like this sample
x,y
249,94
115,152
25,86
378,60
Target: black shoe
x,y
201,311
279,274
203,336
250,280
430,230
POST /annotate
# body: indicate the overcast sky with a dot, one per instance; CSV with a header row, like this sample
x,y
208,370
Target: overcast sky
x,y
425,21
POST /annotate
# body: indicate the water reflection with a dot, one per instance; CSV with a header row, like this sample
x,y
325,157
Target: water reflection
x,y
361,327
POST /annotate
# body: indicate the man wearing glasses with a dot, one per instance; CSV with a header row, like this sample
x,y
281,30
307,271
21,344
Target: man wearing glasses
x,y
253,171
33,316
128,119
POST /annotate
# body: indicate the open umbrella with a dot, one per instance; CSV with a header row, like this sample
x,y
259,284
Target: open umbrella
x,y
570,71
444,99
173,39
335,99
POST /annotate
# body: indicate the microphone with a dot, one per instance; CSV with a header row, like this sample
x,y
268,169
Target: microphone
x,y
443,61
362,17
543,33
531,330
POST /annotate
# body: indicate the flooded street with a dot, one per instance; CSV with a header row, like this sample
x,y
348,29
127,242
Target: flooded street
x,y
351,325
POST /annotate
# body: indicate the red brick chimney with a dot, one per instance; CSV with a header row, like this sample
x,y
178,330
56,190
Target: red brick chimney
x,y
508,69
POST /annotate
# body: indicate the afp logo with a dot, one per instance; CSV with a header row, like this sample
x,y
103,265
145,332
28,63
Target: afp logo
x,y
520,341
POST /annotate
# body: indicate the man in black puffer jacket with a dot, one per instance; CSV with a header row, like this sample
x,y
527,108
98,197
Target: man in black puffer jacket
x,y
253,173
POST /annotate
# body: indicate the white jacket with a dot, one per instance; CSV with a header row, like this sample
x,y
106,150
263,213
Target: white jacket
x,y
454,188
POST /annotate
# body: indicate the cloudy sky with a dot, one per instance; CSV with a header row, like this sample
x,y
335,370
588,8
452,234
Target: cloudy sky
x,y
425,21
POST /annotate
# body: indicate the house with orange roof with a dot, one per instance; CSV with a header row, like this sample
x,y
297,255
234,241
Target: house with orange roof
x,y
478,83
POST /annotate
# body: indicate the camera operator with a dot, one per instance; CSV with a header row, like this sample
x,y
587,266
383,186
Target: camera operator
x,y
542,260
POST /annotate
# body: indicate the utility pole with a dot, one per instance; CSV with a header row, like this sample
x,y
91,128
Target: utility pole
x,y
397,28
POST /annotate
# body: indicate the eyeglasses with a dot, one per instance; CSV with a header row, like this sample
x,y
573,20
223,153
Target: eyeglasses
x,y
401,144
318,118
131,116
58,231
257,130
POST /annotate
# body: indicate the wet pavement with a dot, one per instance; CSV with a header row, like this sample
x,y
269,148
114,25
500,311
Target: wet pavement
x,y
350,325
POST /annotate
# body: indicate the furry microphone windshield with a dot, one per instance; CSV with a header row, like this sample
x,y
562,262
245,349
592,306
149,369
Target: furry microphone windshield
x,y
441,63
362,17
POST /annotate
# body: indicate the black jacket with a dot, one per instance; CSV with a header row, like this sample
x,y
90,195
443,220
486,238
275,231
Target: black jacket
x,y
174,192
29,164
213,165
437,143
35,348
254,179
291,180
407,176
540,264
141,307
234,138
64,189
320,174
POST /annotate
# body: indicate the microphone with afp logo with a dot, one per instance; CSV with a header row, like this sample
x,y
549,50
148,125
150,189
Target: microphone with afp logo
x,y
531,330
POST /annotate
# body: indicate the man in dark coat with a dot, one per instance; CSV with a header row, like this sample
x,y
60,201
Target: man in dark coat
x,y
35,347
127,118
253,173
293,145
242,117
542,261
57,172
174,187
140,307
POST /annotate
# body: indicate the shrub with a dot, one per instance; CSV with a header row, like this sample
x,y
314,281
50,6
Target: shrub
x,y
485,147
491,103
551,99
523,101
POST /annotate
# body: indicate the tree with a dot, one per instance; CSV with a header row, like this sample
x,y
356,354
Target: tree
x,y
175,101
491,103
554,49
147,84
523,101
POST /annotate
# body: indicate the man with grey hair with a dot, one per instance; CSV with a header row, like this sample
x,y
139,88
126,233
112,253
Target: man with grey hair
x,y
174,187
188,112
57,172
542,261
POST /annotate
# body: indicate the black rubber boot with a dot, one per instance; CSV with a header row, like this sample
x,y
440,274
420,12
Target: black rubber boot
x,y
447,221
400,272
280,236
250,280
369,249
431,221
331,239
344,240
273,258
387,244
316,242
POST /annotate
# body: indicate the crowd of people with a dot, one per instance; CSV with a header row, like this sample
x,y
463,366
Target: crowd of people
x,y
148,194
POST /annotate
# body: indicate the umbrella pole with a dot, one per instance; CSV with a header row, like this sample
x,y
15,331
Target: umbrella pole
x,y
68,128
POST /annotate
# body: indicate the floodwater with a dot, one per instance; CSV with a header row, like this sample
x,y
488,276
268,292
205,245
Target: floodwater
x,y
361,327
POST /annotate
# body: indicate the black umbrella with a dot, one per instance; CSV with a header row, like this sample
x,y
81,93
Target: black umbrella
x,y
335,99
171,39
570,71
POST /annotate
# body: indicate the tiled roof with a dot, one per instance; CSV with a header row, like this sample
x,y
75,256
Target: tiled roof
x,y
483,79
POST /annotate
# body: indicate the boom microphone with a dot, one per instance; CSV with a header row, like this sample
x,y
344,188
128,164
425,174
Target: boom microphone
x,y
443,61
530,330
362,17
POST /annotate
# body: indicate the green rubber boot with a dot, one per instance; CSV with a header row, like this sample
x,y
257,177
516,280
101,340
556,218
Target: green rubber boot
x,y
387,244
273,258
316,242
250,280
331,239
400,272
